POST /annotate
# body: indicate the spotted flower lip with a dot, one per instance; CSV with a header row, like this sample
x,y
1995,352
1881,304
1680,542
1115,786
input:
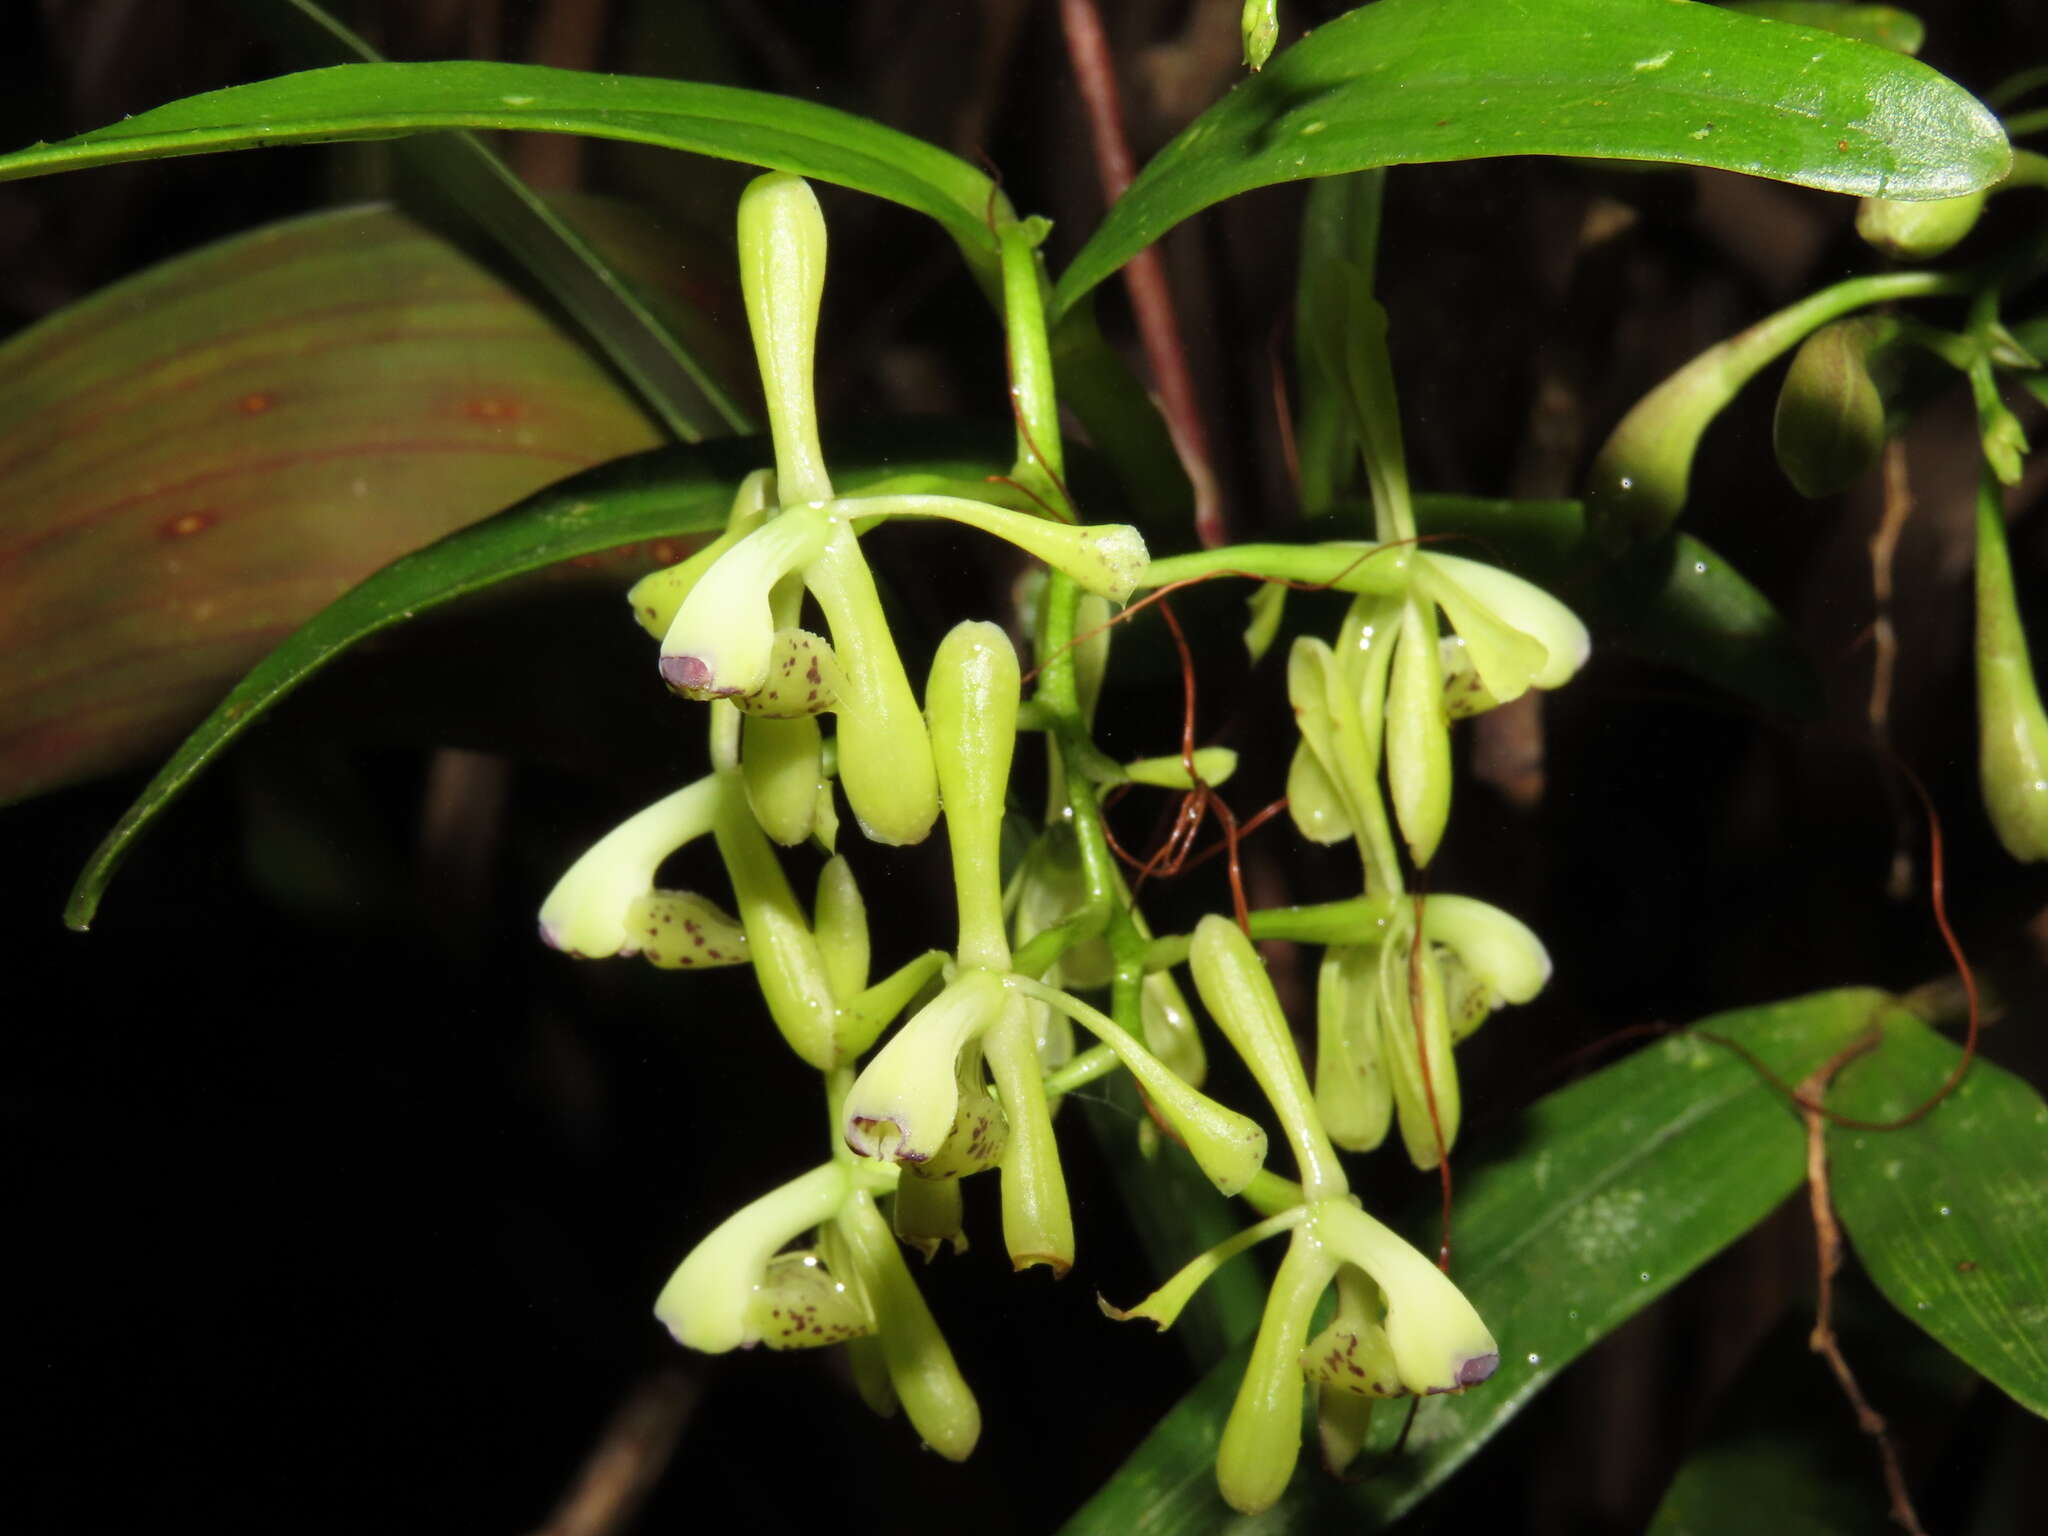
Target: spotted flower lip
x,y
589,911
1439,1343
709,1302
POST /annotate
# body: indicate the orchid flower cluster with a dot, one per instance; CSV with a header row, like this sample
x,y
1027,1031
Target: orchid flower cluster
x,y
970,1080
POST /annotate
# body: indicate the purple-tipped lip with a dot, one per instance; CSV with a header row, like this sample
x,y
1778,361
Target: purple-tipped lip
x,y
689,673
1477,1369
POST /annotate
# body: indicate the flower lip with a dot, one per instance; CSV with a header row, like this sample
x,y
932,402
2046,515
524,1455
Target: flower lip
x,y
686,674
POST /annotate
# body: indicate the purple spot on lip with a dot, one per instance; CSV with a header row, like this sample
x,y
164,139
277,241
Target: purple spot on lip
x,y
688,673
1477,1369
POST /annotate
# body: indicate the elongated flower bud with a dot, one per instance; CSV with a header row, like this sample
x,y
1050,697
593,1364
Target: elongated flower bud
x,y
1213,765
588,912
708,1302
787,966
782,276
2013,731
781,767
1439,1343
1829,428
1239,995
1354,1094
1260,29
972,700
1262,1437
1418,736
840,924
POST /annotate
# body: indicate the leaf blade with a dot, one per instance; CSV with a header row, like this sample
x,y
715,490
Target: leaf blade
x,y
1417,81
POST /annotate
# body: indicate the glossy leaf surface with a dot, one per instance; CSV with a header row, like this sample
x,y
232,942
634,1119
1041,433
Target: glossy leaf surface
x,y
1602,1208
382,101
1950,1214
197,458
1414,81
661,496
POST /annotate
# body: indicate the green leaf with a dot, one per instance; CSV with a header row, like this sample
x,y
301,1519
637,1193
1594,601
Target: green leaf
x,y
384,101
666,494
1950,1214
1603,1207
1885,25
200,456
1414,81
683,392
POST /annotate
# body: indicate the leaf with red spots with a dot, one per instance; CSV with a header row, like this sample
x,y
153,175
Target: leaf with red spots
x,y
198,458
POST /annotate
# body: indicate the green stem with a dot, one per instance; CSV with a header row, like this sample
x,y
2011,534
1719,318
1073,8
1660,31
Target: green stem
x,y
1380,569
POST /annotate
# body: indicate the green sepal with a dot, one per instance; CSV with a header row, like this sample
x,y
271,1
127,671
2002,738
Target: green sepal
x,y
780,766
1418,735
839,921
1354,1093
1407,1042
1918,231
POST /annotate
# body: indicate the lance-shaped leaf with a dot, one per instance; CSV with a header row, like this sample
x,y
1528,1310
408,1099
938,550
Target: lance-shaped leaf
x,y
1416,81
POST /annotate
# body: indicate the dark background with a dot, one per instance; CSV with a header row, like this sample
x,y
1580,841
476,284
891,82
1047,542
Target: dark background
x,y
341,1202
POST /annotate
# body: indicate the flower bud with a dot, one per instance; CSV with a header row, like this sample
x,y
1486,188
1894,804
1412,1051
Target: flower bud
x,y
1260,28
681,931
1426,1099
972,700
1239,995
1418,735
1829,428
840,925
1262,1437
1918,231
2013,731
1213,765
781,768
1439,1343
782,277
1354,1094
589,911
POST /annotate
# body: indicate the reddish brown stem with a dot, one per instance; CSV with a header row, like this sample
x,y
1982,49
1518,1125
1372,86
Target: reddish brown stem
x,y
1145,277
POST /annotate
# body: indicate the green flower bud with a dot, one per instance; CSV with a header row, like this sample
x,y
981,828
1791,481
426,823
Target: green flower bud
x,y
1313,802
658,596
972,700
921,1368
910,1102
926,1213
709,1302
681,931
1829,428
1418,735
780,766
1215,765
782,276
1354,1094
723,640
1918,231
1403,1044
1439,1343
1262,1437
1239,995
589,911
885,755
787,965
1260,27
798,1305
840,925
2013,732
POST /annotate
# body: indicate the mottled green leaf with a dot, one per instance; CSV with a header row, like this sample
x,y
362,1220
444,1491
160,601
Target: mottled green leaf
x,y
1615,1189
1950,1214
1414,81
